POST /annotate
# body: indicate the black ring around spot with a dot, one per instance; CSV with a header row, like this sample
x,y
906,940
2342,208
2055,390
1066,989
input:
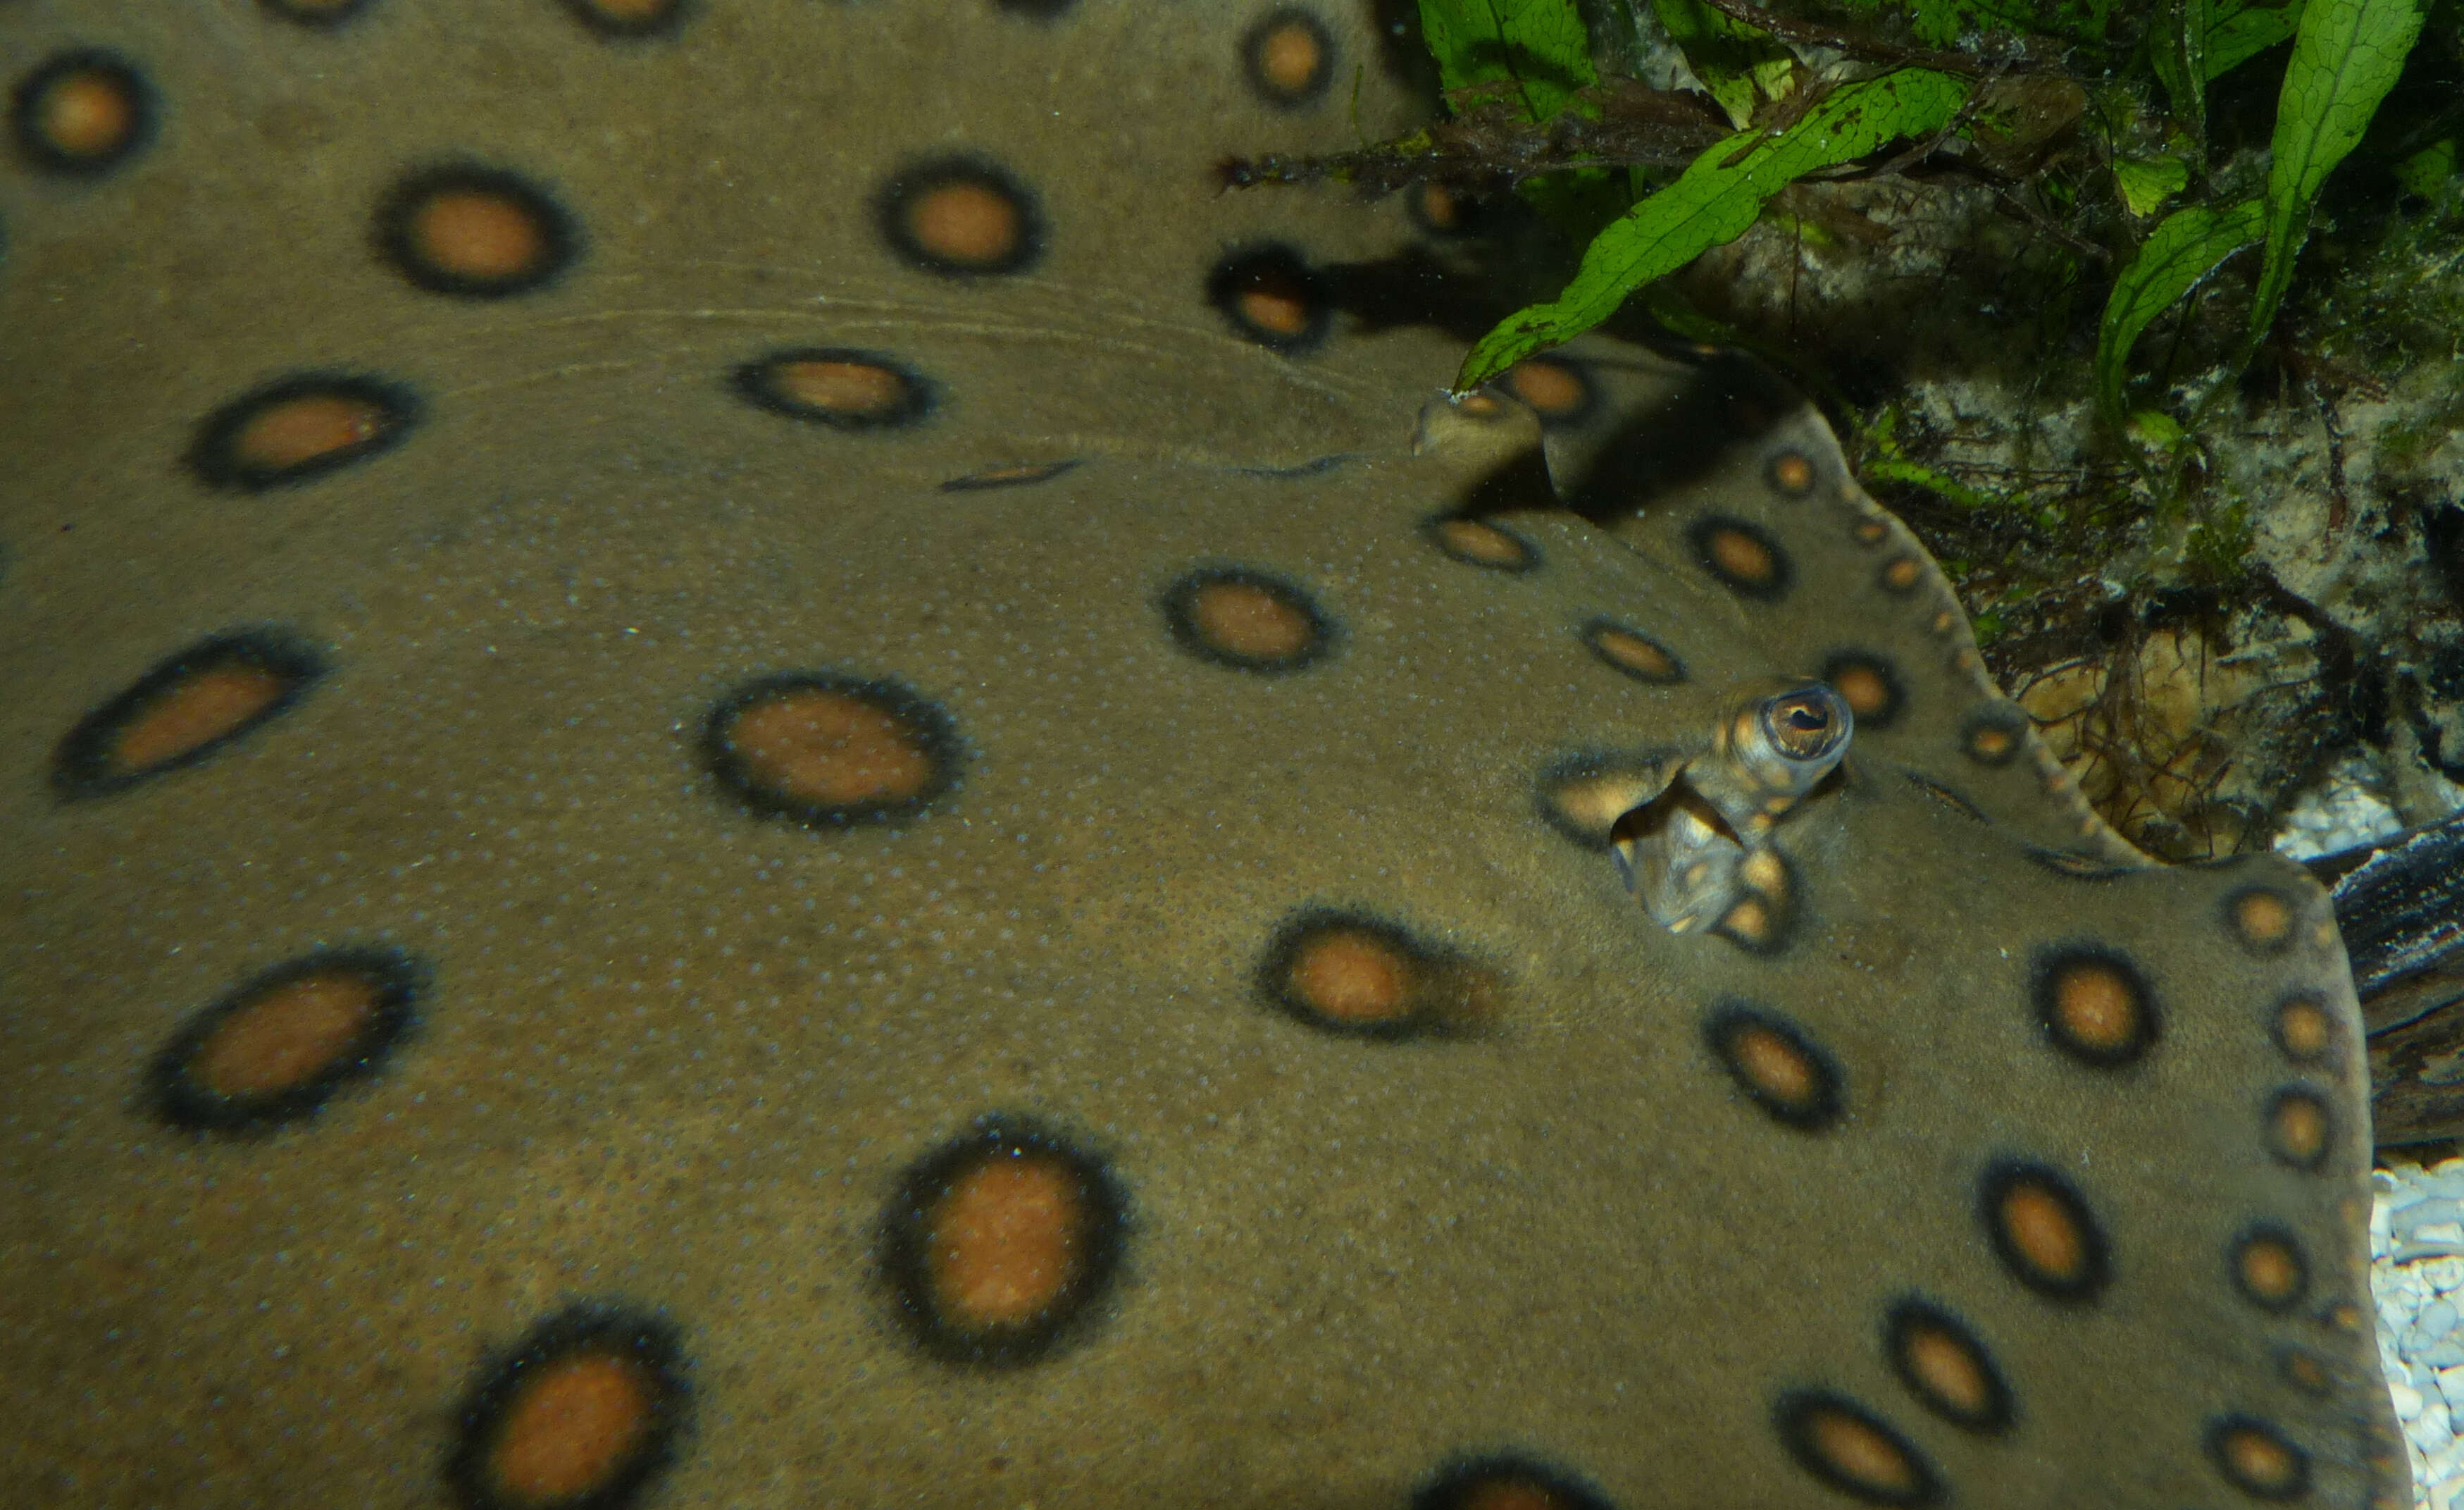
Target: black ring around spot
x,y
1585,407
1705,530
1527,555
2095,1259
655,22
2263,947
25,110
930,727
2276,1024
1794,1414
906,1244
891,205
1728,1023
1425,1014
397,240
316,18
212,456
2281,1236
1466,1483
1895,692
756,382
2044,979
1253,57
1775,473
2317,1100
1037,9
2223,1428
82,767
1179,598
1281,271
1596,630
1912,1316
644,1338
1994,718
177,1097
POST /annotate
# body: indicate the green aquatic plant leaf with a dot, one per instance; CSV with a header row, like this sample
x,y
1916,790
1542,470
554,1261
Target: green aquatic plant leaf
x,y
1739,65
1713,201
2345,57
2236,33
2184,249
2146,182
1535,49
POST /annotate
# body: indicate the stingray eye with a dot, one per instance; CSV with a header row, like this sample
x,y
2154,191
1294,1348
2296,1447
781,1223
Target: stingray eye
x,y
1810,724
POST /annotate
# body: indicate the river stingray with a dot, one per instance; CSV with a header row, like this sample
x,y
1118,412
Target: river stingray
x,y
746,763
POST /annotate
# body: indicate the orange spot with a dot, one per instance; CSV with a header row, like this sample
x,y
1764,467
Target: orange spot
x,y
1352,978
2297,1128
2042,1231
1740,557
1944,1365
2270,1270
857,389
86,112
1749,919
1249,622
1276,311
1439,209
823,747
294,432
1859,1453
1004,1243
478,234
1902,573
1991,743
1481,545
2096,1008
575,1426
1863,688
1291,58
2264,919
630,15
2260,1460
966,224
198,709
2303,1028
286,1037
1943,621
2304,1371
1553,389
1631,652
1776,1067
1872,531
1791,472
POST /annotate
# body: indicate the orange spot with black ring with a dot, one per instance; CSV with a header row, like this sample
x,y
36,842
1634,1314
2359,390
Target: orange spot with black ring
x,y
960,216
1940,1359
585,1410
279,1046
81,113
830,750
298,429
474,232
2041,1229
185,709
1853,1449
1778,1066
1001,1243
1289,57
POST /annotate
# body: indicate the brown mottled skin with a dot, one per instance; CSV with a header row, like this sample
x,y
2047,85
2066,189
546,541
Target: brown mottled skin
x,y
675,1055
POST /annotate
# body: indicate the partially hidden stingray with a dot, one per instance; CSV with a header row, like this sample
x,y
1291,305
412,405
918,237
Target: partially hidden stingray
x,y
744,763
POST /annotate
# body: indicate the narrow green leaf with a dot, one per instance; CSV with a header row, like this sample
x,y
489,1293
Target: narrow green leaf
x,y
2345,57
1713,201
2177,44
1538,46
2238,33
2180,252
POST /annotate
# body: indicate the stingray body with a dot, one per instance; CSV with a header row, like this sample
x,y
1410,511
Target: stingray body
x,y
744,765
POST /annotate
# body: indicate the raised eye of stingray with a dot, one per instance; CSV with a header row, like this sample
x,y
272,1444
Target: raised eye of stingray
x,y
1810,724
